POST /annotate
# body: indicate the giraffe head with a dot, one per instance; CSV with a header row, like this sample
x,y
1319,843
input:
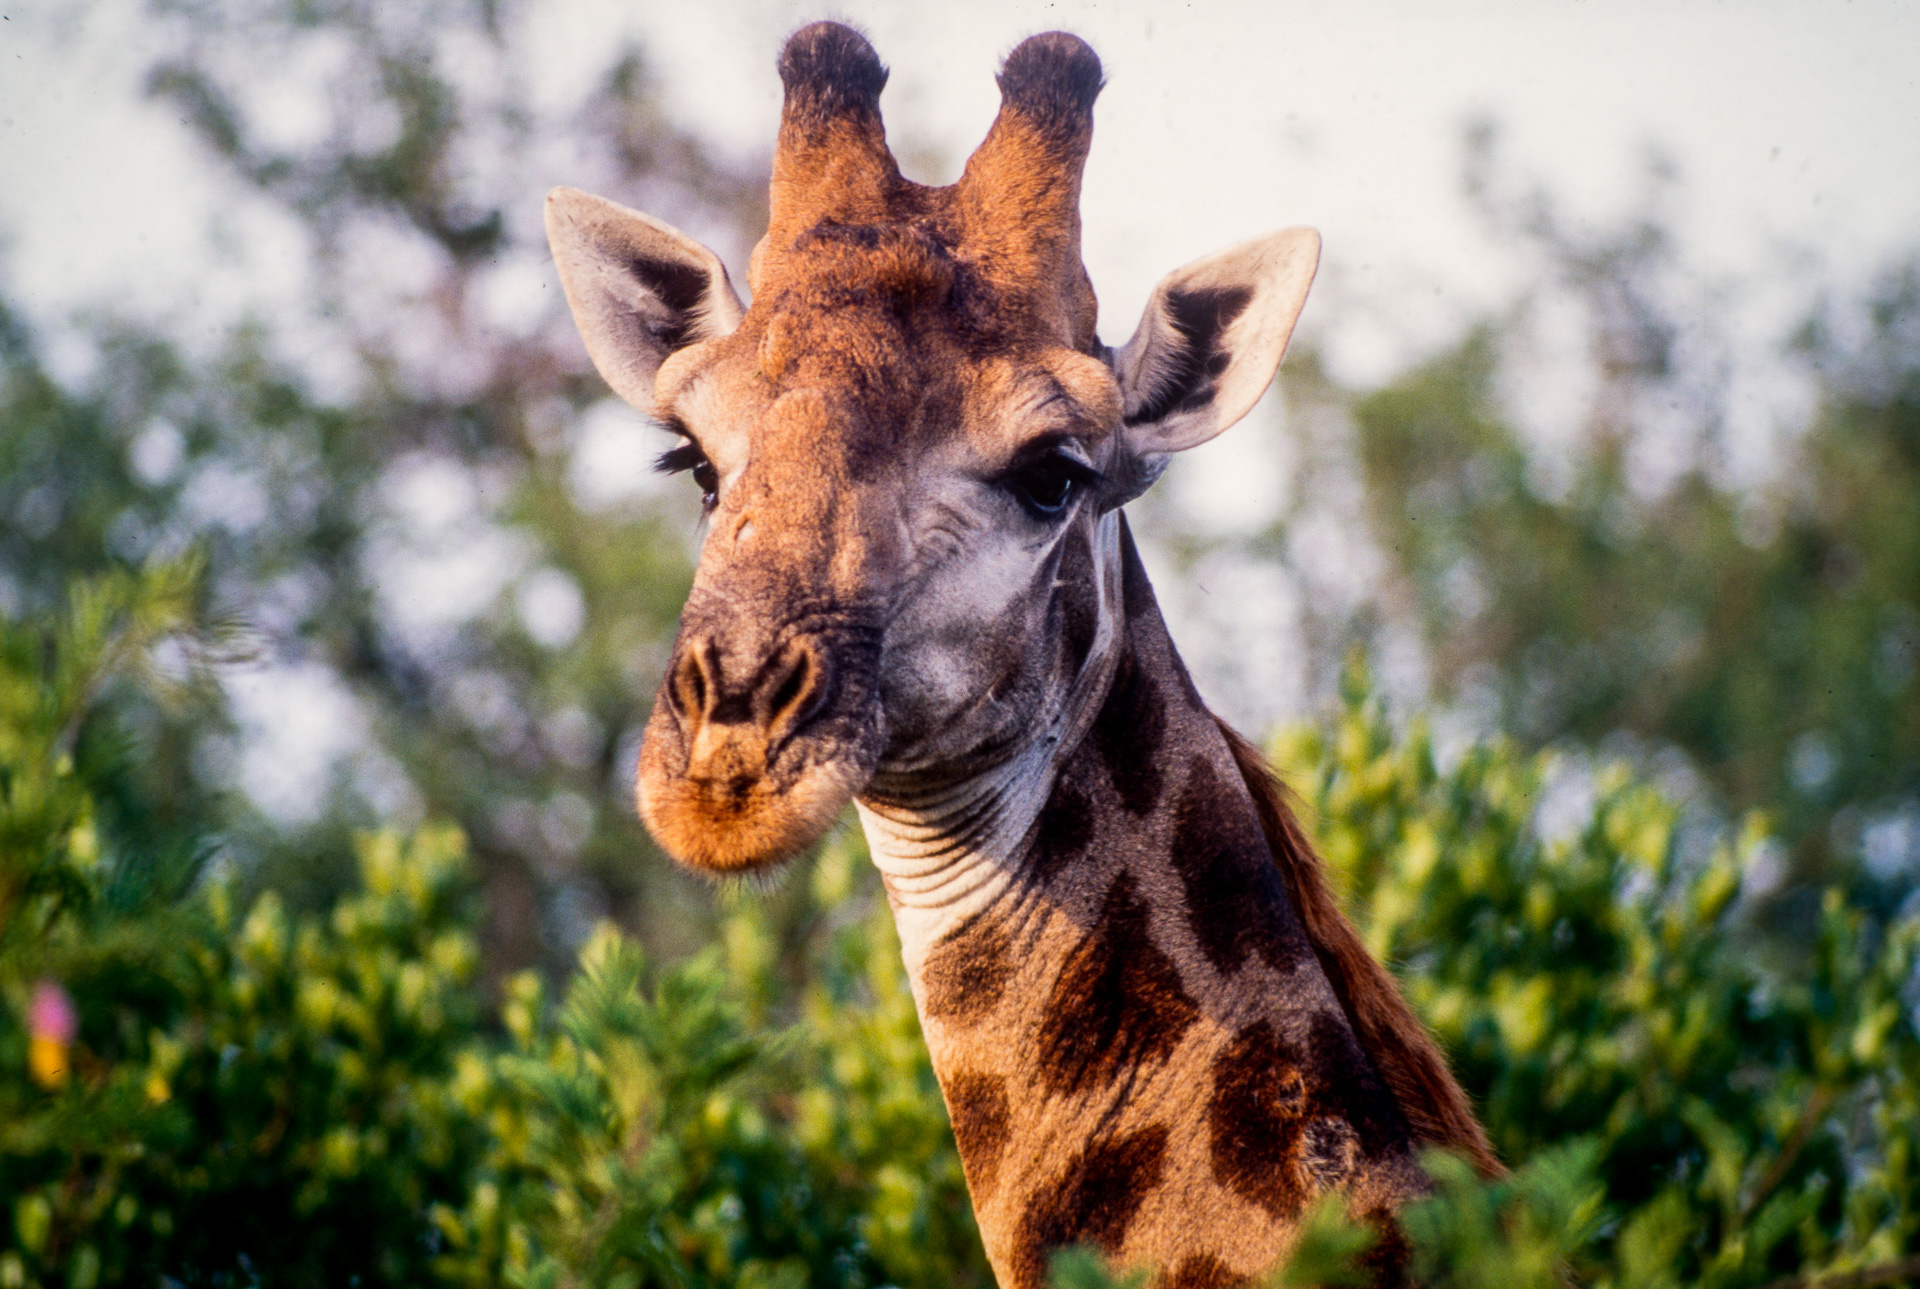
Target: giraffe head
x,y
904,445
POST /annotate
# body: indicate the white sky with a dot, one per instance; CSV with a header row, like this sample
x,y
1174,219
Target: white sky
x,y
1796,122
1793,124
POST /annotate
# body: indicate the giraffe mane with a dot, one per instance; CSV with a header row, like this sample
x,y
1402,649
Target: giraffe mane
x,y
1405,1054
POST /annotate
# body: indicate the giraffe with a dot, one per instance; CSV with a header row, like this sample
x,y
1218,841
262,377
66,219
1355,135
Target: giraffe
x,y
1153,1028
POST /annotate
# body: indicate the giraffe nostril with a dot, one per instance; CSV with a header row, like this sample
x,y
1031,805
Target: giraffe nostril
x,y
796,689
692,686
790,687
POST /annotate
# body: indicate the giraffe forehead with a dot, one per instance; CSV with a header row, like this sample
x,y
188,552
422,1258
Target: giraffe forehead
x,y
895,328
878,387
906,302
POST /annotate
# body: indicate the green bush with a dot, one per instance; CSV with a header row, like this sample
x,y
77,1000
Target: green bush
x,y
648,1131
250,1096
243,1095
1743,1123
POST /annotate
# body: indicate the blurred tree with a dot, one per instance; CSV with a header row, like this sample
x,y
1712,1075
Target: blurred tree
x,y
407,479
1620,576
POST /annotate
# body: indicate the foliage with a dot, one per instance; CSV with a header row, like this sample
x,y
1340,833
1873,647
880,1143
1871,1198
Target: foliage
x,y
253,1094
64,848
235,1090
1596,987
659,1136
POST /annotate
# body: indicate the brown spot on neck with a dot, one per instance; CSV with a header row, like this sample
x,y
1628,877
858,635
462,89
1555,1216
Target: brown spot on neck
x,y
1092,1201
1128,734
1235,904
1289,1119
1064,829
967,970
1409,1063
1076,601
1118,1002
1256,1118
1202,1271
982,1124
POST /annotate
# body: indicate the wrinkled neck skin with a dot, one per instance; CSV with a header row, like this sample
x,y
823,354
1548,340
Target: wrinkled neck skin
x,y
1137,1044
946,846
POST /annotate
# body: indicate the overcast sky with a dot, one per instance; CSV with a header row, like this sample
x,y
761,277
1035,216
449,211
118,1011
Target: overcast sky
x,y
1792,124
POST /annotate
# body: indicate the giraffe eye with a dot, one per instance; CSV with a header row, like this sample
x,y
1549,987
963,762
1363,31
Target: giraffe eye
x,y
689,458
1046,486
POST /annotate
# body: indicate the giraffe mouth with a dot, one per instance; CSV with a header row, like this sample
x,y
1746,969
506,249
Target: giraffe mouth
x,y
746,765
738,824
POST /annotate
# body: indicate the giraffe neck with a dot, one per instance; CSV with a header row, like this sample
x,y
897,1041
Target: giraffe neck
x,y
1138,1045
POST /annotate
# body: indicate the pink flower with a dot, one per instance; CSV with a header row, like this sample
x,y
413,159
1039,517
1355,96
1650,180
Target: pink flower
x,y
51,1015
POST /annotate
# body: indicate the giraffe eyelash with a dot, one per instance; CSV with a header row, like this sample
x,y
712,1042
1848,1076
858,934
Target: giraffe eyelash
x,y
679,460
688,458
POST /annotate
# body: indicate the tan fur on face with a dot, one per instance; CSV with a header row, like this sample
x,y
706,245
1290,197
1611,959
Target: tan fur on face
x,y
1089,383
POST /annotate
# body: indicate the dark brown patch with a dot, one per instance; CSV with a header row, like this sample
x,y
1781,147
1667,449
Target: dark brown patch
x,y
1188,689
1118,1001
1255,1119
1052,79
680,288
1092,1202
1203,1271
1235,902
977,1107
1425,1101
1128,733
1064,830
1330,1152
967,971
1284,1123
1190,381
1135,589
1390,1255
1349,1087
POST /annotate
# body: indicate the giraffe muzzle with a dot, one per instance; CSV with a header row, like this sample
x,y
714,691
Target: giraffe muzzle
x,y
751,755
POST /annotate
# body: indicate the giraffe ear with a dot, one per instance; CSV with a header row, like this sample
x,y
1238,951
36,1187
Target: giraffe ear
x,y
1210,341
639,289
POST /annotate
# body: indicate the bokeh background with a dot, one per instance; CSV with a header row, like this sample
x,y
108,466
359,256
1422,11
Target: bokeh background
x,y
1601,433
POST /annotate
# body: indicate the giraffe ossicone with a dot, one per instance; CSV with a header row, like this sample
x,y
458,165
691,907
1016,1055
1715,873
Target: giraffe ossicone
x,y
1154,1029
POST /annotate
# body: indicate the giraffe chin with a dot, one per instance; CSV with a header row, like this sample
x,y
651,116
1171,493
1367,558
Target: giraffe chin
x,y
727,827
